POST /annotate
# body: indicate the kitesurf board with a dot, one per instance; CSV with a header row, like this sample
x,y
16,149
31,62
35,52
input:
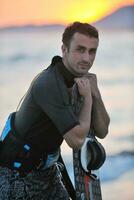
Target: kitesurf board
x,y
87,184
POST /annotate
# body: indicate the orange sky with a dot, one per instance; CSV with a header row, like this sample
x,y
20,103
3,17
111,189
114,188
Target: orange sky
x,y
19,12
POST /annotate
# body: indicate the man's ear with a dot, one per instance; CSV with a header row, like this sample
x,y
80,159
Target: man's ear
x,y
64,49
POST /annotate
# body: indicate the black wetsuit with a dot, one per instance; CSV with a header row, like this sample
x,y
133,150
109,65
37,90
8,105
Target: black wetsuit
x,y
46,113
44,116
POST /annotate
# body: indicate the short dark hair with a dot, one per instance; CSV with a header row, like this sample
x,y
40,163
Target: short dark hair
x,y
83,28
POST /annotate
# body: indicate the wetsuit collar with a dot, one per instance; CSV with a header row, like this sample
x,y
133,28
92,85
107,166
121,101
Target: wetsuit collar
x,y
67,75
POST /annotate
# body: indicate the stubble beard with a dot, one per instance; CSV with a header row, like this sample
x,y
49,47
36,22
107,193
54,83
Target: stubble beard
x,y
77,73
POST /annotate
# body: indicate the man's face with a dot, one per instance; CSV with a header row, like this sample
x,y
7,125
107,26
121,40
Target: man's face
x,y
80,55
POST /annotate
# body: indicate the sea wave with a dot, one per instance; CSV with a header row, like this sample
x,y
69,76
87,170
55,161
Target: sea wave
x,y
114,167
117,165
22,57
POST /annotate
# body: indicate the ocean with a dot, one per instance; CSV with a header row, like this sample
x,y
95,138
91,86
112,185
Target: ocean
x,y
23,54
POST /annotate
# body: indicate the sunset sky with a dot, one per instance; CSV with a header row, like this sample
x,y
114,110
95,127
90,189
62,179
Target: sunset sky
x,y
20,12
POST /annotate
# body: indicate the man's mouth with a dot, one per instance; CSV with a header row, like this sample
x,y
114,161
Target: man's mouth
x,y
84,65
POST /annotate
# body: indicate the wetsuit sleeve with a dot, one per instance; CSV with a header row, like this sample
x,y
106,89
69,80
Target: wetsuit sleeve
x,y
50,101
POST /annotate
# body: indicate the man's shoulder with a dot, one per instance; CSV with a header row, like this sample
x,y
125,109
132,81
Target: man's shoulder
x,y
47,76
48,81
51,74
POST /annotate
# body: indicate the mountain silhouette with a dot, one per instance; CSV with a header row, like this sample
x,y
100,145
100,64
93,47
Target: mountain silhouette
x,y
123,18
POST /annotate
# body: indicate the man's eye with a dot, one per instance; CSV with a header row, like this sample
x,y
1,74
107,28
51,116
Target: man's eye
x,y
92,51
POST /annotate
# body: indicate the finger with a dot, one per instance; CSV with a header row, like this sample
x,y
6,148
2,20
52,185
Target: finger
x,y
76,80
90,75
82,82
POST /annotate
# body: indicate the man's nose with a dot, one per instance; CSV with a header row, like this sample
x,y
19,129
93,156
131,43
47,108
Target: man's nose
x,y
86,57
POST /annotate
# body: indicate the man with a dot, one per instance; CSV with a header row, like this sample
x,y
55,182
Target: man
x,y
32,136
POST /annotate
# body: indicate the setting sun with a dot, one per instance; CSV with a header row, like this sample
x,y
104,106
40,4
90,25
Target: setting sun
x,y
49,12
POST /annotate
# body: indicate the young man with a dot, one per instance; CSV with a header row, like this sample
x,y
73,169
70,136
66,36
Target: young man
x,y
32,136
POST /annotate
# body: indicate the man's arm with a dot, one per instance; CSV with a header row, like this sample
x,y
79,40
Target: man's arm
x,y
76,136
100,118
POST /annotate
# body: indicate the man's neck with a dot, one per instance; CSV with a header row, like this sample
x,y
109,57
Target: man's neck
x,y
62,67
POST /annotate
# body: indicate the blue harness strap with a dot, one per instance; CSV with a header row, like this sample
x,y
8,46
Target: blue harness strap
x,y
7,128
